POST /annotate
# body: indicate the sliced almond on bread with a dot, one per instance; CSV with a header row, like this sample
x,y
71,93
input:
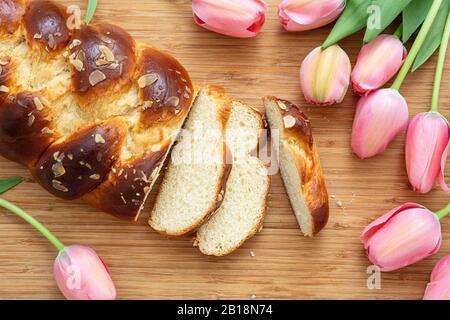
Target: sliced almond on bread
x,y
193,184
299,164
241,214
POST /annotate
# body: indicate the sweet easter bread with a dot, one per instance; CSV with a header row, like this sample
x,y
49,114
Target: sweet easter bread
x,y
299,164
194,183
91,112
242,212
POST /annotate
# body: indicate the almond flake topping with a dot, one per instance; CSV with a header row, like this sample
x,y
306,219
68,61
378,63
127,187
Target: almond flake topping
x,y
37,36
31,119
75,43
3,62
99,138
4,88
147,80
96,77
289,121
51,41
59,186
58,169
281,105
95,176
46,130
78,64
38,103
173,101
107,54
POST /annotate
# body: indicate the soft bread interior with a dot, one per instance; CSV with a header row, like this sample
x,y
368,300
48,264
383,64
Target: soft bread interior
x,y
289,169
242,211
192,183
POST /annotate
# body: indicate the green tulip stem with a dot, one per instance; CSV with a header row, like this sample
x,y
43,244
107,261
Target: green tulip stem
x,y
443,212
399,31
36,224
440,66
417,44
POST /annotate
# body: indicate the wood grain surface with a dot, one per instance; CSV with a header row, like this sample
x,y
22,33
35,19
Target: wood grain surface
x,y
277,263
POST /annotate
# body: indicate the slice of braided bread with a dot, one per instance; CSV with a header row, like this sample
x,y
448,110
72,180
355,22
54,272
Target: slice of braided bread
x,y
242,212
194,182
299,164
91,112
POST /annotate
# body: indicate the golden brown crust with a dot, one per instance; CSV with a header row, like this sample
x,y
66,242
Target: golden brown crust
x,y
126,187
77,165
298,136
45,23
101,60
11,12
168,92
99,73
25,131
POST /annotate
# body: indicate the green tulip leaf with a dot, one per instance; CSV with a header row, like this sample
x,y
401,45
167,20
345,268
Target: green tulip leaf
x,y
353,19
381,14
7,184
413,16
90,11
434,37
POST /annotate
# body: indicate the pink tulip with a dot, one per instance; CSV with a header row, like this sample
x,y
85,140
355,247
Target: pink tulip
x,y
378,61
301,15
81,275
380,117
427,145
439,286
235,18
325,76
403,236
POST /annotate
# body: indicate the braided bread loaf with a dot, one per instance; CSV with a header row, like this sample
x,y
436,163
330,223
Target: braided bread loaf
x,y
91,112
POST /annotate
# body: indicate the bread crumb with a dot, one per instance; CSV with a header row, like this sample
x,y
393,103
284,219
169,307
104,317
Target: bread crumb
x,y
339,203
252,254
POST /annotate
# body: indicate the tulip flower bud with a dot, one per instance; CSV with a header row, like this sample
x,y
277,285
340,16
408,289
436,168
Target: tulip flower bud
x,y
81,275
380,117
235,18
377,62
325,76
426,150
301,15
403,236
439,286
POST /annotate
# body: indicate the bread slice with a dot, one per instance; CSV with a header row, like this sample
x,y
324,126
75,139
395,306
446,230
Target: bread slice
x,y
242,212
192,187
299,164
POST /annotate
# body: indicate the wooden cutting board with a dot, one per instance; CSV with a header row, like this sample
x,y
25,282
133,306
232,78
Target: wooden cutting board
x,y
277,263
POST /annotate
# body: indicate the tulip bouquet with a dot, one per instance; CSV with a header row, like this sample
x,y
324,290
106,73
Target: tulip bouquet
x,y
78,271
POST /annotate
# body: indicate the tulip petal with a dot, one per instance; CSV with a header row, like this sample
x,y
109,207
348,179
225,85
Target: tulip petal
x,y
302,15
373,227
442,182
441,270
380,117
426,151
325,76
236,18
439,290
408,237
373,68
82,275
